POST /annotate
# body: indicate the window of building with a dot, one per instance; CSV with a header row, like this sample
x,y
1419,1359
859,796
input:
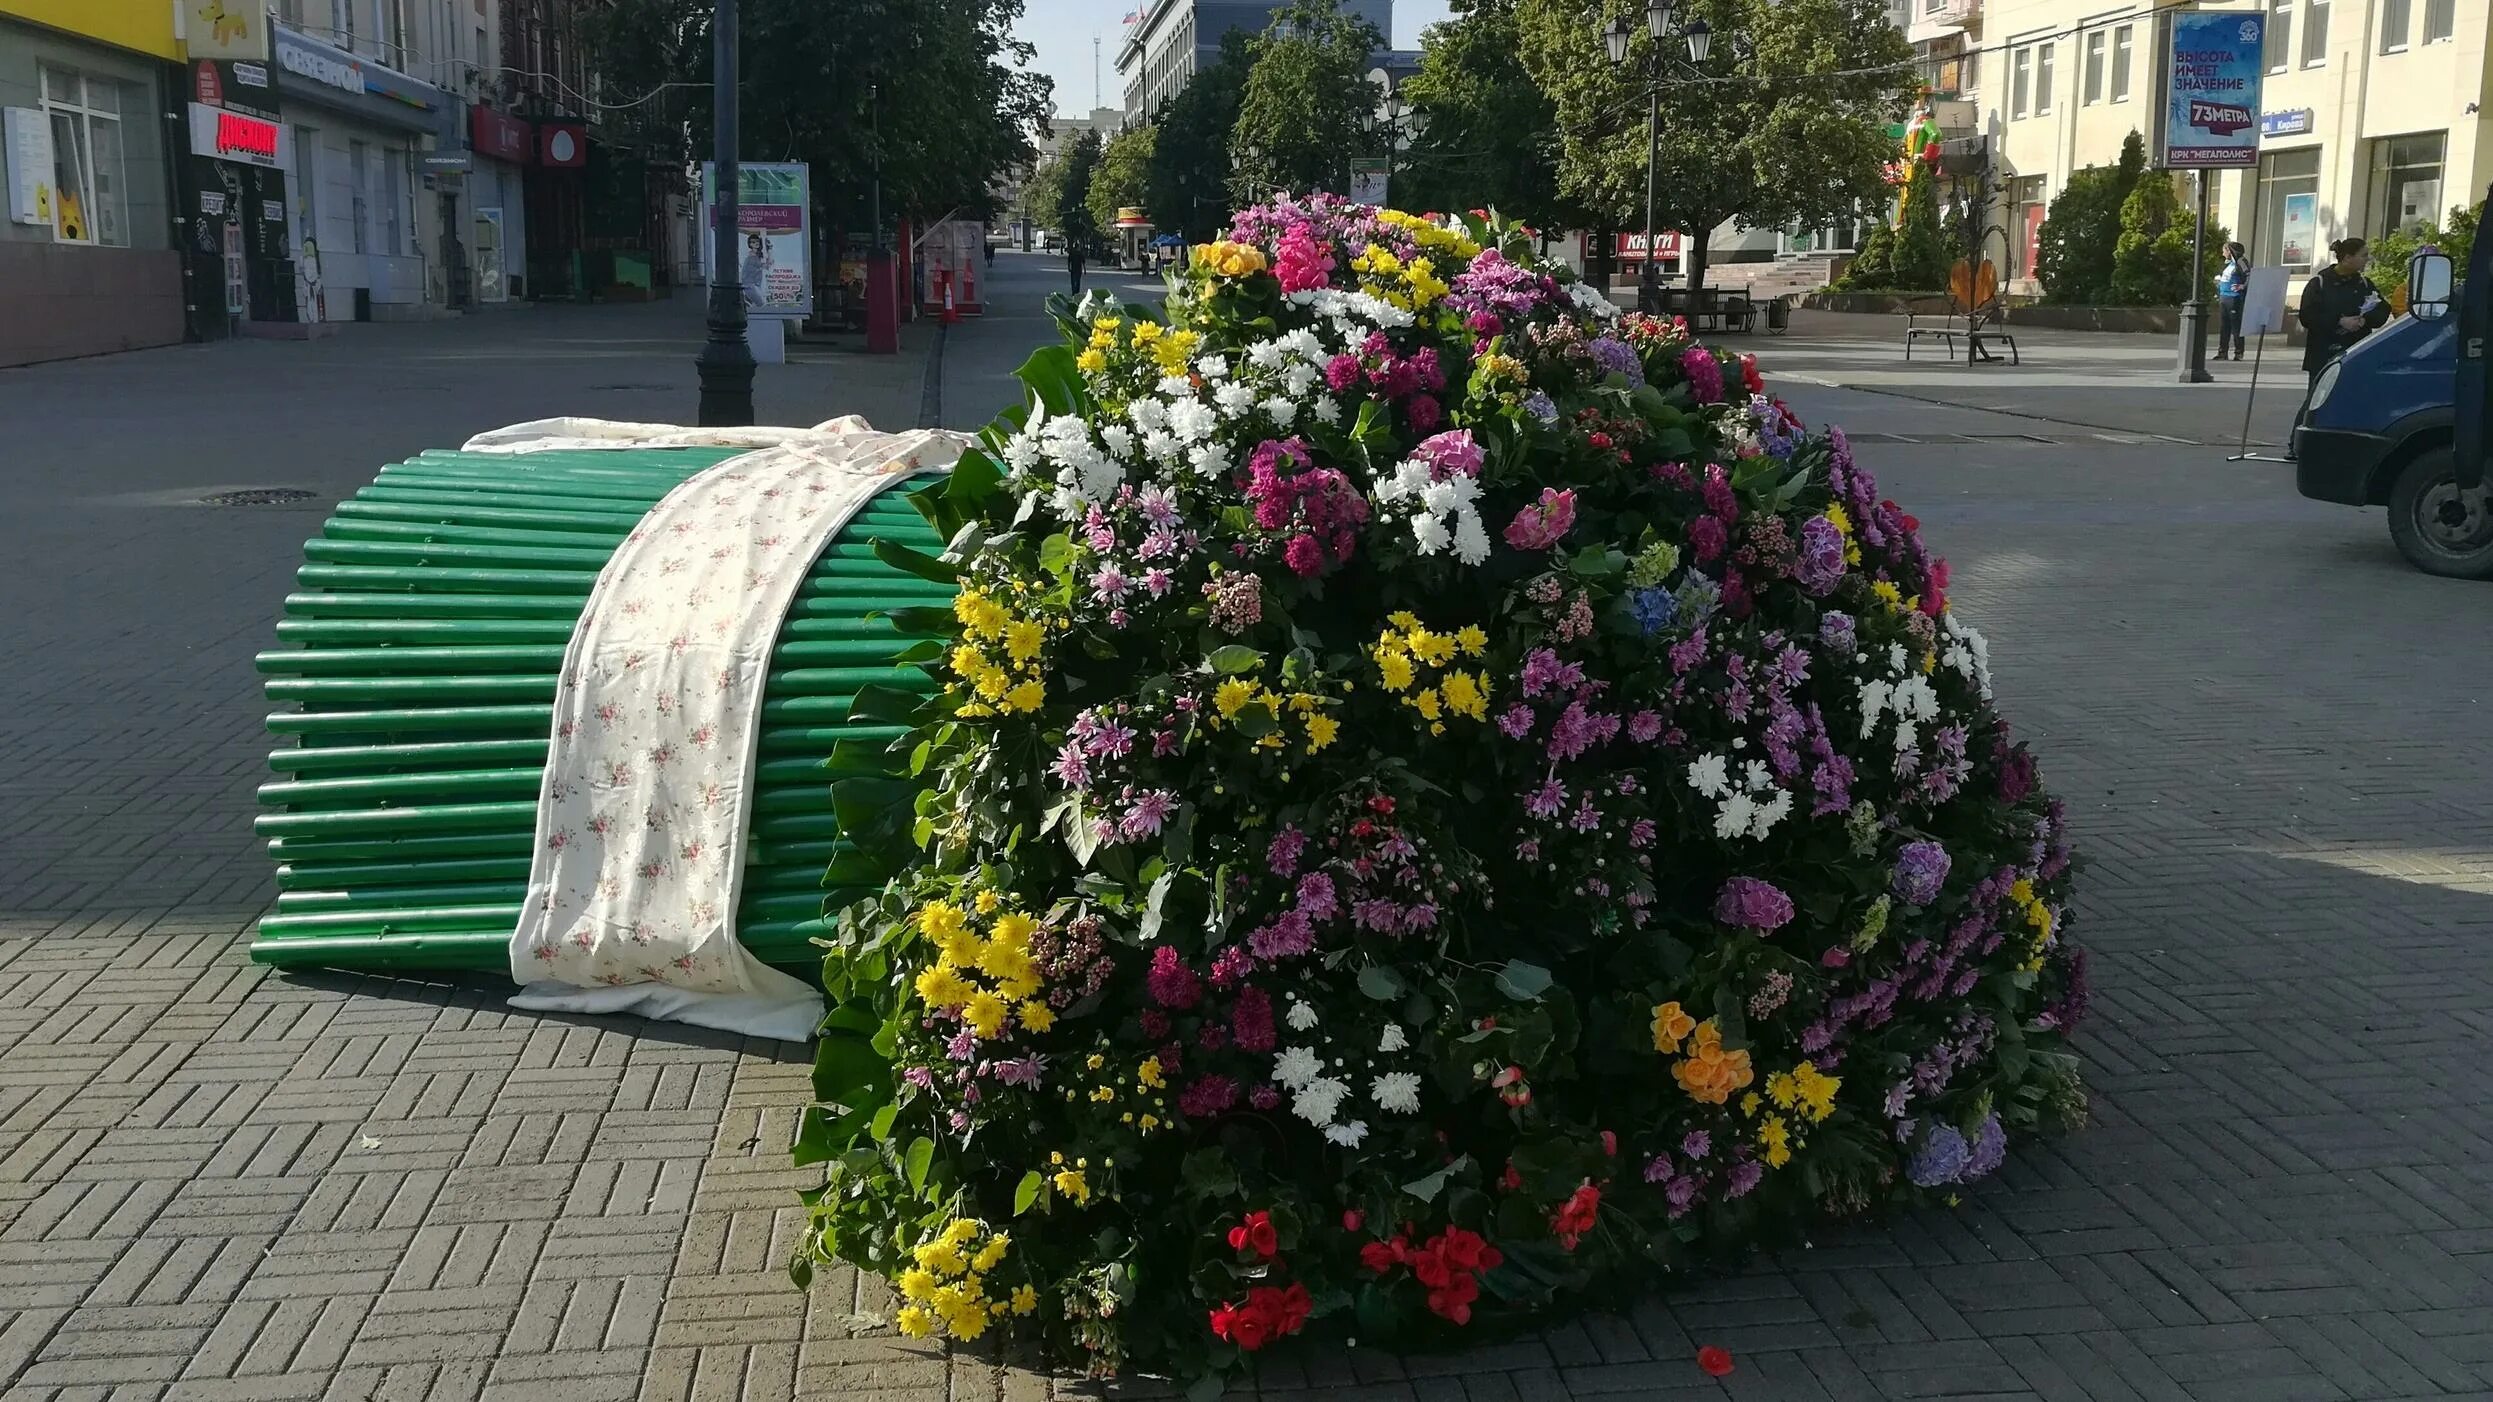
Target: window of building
x,y
291,11
2440,20
359,189
2042,79
89,177
2279,38
2020,79
2406,181
2094,69
2288,230
2025,196
342,21
2120,63
2395,16
2315,33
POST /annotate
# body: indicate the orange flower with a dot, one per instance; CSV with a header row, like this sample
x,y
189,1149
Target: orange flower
x,y
1670,1024
1708,1073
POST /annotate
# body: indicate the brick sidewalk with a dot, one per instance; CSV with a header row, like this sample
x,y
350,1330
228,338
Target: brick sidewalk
x,y
217,1183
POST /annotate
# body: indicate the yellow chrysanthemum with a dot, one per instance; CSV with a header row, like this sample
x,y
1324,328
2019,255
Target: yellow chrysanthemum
x,y
1028,696
1073,1183
985,1014
1464,697
1015,928
1320,732
1429,704
1471,640
942,987
1036,1016
991,1253
1395,668
1232,697
1022,638
917,1283
1091,361
1149,1073
987,902
1146,332
915,1321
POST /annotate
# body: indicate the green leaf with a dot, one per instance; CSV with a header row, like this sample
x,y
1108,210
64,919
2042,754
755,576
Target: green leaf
x,y
916,562
1054,378
1426,1189
1381,983
1026,1192
1208,1173
1235,658
1255,722
919,1158
1523,982
888,705
972,480
1056,553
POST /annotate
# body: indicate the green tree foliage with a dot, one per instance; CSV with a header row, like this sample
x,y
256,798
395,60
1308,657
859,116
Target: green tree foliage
x,y
1487,136
1922,254
1308,107
1073,195
932,95
1186,182
1123,174
1798,133
2457,238
1873,267
2082,228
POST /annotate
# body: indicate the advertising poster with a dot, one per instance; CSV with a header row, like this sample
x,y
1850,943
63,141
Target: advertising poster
x,y
2211,91
1369,176
774,236
2298,229
29,154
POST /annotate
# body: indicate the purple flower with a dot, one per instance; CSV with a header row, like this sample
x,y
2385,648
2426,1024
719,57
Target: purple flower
x,y
1921,869
1821,561
1071,768
1022,1071
1752,904
1745,1176
1697,1145
1657,1168
1682,1193
1316,896
1539,406
1547,800
1170,982
1990,1147
1148,814
1451,454
1287,934
1616,357
1705,375
1282,856
1941,1159
1207,1096
1516,721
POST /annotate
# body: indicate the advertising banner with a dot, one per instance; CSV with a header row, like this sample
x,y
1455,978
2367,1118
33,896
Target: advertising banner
x,y
2211,91
2298,229
29,136
1368,178
226,30
774,224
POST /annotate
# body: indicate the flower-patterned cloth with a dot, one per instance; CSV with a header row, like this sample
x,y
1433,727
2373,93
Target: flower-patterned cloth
x,y
645,807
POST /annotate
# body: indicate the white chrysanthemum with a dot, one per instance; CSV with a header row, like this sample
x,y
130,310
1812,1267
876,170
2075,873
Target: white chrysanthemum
x,y
1299,379
1397,1091
1210,459
1148,414
1733,818
1234,398
1317,1101
1589,300
1774,811
1266,355
1213,367
1471,539
1302,1015
1282,412
1118,438
1160,445
1328,412
1393,1039
1295,1067
1431,533
1192,420
1710,775
1347,1135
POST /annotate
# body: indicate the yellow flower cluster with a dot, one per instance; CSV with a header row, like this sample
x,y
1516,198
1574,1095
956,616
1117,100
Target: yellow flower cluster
x,y
1836,517
1226,259
1411,285
1071,1179
1406,653
2038,919
1708,1073
989,629
1094,356
1171,350
948,1283
1806,1089
987,981
1433,237
1235,694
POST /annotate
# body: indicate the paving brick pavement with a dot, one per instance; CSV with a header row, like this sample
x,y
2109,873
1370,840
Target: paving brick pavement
x,y
217,1183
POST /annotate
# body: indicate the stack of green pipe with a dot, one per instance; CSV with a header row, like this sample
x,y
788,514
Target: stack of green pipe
x,y
423,647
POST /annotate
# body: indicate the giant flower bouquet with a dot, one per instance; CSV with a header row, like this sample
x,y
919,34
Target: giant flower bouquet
x,y
1442,798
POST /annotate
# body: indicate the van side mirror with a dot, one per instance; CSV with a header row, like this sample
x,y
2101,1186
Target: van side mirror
x,y
2428,276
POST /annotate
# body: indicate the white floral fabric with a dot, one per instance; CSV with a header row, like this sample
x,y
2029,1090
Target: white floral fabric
x,y
646,803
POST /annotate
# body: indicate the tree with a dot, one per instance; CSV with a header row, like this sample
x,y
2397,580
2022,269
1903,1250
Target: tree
x,y
1308,106
1124,170
1922,256
1793,130
2390,254
2081,230
1186,182
931,97
1073,196
1487,135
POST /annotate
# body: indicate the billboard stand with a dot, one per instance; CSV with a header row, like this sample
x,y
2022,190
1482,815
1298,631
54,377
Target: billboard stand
x,y
2210,63
2263,311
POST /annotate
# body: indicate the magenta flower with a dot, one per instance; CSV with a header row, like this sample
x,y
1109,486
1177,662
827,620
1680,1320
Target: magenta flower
x,y
1170,982
1752,904
1542,524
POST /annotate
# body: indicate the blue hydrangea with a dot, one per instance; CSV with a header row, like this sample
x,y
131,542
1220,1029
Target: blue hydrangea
x,y
1942,1158
1654,608
1541,407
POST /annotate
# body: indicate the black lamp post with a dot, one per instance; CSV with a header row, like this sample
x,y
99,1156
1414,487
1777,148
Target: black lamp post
x,y
1617,39
726,361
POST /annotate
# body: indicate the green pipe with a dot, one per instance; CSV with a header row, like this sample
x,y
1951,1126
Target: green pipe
x,y
396,822
818,740
383,552
600,523
385,899
314,632
397,606
356,876
353,578
452,690
453,658
504,843
430,790
455,951
358,528
454,754
519,720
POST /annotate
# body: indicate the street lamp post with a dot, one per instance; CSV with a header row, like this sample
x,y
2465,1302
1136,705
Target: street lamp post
x,y
726,361
1617,39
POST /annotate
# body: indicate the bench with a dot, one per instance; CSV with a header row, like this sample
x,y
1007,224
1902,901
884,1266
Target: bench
x,y
1943,320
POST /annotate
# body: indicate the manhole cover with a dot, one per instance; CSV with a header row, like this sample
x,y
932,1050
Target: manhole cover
x,y
257,496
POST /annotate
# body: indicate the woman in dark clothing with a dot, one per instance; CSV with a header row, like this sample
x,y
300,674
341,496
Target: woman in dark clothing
x,y
2340,306
1073,263
2233,280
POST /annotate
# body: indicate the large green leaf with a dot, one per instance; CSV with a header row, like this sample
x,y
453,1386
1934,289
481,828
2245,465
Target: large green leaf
x,y
916,562
1054,378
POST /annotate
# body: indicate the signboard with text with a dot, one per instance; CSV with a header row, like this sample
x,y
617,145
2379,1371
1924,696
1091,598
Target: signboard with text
x,y
226,30
227,135
774,227
2212,69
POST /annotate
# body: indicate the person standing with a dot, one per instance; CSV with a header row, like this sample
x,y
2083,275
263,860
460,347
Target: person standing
x,y
1073,262
2340,306
2233,280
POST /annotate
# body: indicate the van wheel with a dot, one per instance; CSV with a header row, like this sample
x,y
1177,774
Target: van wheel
x,y
2440,529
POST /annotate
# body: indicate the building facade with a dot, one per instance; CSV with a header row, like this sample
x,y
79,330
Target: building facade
x,y
1170,39
2373,112
88,262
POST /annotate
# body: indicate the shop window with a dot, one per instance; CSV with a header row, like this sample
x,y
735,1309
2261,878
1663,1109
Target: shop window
x,y
359,176
2278,41
2440,20
2120,62
2315,33
2288,229
2396,17
89,176
2406,181
2094,69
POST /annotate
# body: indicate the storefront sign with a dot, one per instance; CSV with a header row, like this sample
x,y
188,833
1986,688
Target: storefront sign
x,y
211,203
499,137
226,30
301,59
242,87
235,136
565,144
314,71
1631,247
446,162
1368,178
274,211
773,215
2211,91
29,137
2293,121
206,85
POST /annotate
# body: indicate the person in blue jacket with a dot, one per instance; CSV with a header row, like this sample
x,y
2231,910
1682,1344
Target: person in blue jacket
x,y
2232,281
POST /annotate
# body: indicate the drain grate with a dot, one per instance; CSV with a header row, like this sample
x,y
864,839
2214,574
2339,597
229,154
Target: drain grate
x,y
258,496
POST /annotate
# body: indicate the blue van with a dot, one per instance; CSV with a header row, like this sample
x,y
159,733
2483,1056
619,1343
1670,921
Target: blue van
x,y
2395,423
